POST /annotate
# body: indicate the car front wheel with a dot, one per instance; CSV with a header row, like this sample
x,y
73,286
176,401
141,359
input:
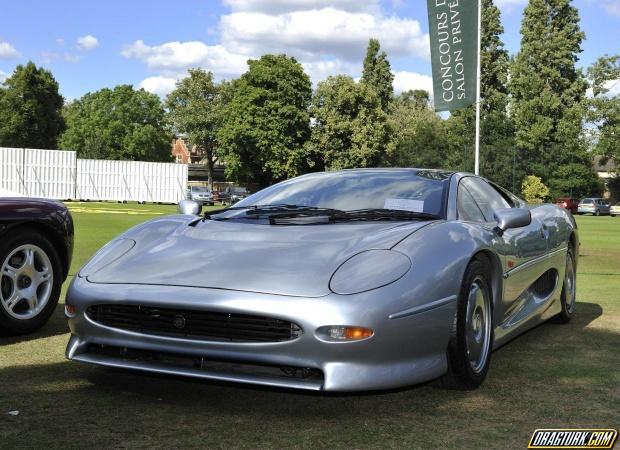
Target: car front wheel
x,y
568,298
30,282
469,350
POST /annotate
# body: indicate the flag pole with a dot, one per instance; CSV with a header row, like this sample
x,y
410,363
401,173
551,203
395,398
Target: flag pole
x,y
478,76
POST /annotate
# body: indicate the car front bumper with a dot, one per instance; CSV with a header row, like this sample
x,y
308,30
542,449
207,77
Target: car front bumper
x,y
403,351
585,210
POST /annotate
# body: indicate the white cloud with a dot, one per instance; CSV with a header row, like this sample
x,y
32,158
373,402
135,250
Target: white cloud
x,y
313,34
159,85
177,57
614,88
320,70
612,7
405,81
8,51
87,42
285,6
3,76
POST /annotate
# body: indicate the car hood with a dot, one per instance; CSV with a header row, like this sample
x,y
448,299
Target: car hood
x,y
284,260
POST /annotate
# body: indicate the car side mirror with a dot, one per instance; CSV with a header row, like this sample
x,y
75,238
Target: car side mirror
x,y
189,207
508,218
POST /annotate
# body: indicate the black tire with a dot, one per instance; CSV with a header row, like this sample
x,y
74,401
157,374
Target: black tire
x,y
461,374
598,213
10,326
568,307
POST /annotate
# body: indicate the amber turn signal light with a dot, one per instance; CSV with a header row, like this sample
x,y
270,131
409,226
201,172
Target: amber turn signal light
x,y
69,310
345,333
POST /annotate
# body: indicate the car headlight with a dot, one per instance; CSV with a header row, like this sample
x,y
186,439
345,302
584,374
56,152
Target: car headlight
x,y
108,254
369,270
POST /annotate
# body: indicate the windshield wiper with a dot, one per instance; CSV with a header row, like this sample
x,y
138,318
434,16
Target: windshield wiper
x,y
331,216
387,214
258,211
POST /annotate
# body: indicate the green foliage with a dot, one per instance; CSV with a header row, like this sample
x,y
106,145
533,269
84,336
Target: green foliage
x,y
575,180
350,128
534,190
30,109
377,73
604,109
195,108
119,123
267,121
548,91
418,133
497,141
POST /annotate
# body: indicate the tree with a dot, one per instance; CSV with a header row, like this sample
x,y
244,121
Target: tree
x,y
418,133
120,123
496,143
604,109
30,109
350,129
377,73
534,190
196,109
267,121
548,91
575,180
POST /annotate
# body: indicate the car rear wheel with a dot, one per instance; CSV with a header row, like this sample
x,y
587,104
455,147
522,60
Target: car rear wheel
x,y
469,350
30,282
568,297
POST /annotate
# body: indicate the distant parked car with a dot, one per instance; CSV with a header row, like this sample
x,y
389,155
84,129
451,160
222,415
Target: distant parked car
x,y
572,204
234,194
200,194
595,206
615,210
36,246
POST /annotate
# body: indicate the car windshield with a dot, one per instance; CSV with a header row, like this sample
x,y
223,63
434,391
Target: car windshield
x,y
396,189
587,201
239,190
199,189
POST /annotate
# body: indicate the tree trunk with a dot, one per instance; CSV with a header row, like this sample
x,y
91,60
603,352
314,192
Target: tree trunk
x,y
211,158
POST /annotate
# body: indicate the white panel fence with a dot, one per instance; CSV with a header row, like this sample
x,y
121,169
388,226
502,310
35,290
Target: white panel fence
x,y
60,175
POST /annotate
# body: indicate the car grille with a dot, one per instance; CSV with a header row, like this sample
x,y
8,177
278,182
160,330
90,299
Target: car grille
x,y
194,324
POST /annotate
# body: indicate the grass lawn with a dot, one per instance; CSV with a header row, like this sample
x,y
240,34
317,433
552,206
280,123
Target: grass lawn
x,y
553,376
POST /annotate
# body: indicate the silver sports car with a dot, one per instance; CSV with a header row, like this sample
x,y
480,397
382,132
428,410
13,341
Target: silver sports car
x,y
342,281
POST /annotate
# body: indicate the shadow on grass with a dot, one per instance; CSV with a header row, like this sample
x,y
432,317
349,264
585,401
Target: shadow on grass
x,y
55,326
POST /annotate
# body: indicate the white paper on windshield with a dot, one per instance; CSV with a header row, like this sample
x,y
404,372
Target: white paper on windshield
x,y
404,204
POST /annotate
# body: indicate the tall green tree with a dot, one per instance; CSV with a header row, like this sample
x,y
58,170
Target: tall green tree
x,y
604,111
30,109
195,108
548,91
120,123
350,129
267,122
419,136
496,143
377,73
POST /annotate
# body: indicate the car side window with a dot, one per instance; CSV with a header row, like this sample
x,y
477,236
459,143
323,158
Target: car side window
x,y
487,198
466,206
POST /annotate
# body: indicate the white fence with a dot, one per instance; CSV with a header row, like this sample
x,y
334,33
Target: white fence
x,y
59,174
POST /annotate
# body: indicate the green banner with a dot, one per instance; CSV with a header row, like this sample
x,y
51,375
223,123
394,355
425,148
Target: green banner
x,y
453,29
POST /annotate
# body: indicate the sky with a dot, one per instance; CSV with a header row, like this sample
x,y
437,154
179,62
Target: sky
x,y
89,45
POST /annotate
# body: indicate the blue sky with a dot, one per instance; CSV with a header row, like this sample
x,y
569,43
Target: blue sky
x,y
89,45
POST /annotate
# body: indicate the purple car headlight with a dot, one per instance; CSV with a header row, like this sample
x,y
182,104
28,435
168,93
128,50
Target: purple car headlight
x,y
108,254
369,270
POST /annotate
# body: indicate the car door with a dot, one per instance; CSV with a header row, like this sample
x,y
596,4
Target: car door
x,y
522,248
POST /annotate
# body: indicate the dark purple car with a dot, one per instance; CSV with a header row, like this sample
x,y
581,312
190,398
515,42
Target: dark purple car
x,y
36,246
